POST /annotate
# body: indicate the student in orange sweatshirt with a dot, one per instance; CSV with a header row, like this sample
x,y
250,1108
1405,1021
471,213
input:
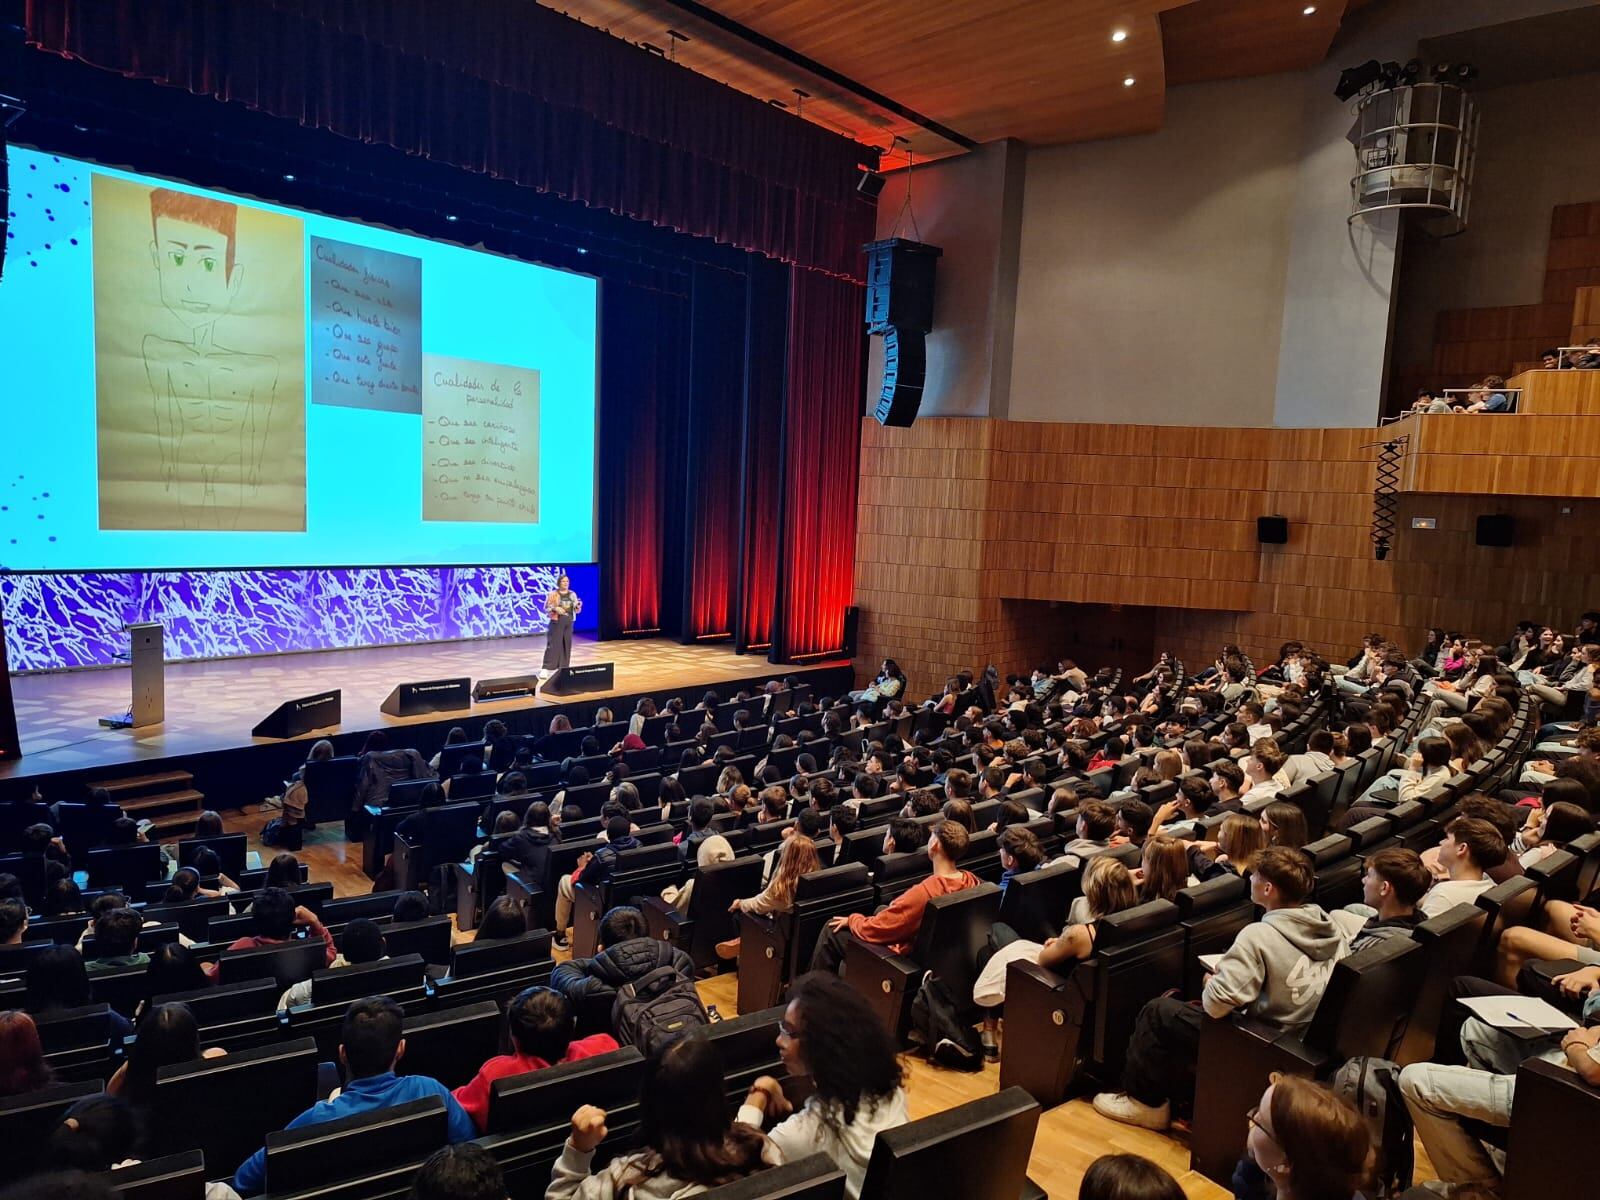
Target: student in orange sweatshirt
x,y
896,926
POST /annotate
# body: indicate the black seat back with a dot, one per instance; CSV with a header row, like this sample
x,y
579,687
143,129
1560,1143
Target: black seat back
x,y
286,963
170,1177
1211,914
429,937
231,848
228,1002
1449,942
1368,1000
451,1044
955,927
26,1122
387,976
519,1102
126,867
978,1151
368,1146
192,916
330,787
1035,903
716,888
1138,953
496,954
85,826
812,1178
197,1104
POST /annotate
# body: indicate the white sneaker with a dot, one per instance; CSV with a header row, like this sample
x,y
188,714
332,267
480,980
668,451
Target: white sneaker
x,y
1120,1106
545,673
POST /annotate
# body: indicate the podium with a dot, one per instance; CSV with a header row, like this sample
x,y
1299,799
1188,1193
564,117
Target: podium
x,y
148,655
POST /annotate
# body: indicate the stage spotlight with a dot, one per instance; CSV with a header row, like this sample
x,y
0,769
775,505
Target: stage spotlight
x,y
1389,74
1441,71
1465,71
1356,79
582,250
1412,70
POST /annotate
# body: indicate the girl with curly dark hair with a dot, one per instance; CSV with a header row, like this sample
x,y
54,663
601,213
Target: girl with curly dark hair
x,y
829,1034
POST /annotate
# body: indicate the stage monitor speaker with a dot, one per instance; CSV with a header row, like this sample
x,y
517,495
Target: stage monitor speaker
x,y
900,277
295,717
507,687
905,366
428,696
1272,531
591,677
1497,529
852,628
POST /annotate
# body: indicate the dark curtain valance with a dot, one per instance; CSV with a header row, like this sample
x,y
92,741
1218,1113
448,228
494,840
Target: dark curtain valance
x,y
506,88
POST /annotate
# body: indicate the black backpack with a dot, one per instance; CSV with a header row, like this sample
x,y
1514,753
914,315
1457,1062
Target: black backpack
x,y
1372,1087
655,1009
936,1024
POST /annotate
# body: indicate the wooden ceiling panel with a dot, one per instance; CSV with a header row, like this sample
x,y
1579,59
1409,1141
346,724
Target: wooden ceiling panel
x,y
1042,71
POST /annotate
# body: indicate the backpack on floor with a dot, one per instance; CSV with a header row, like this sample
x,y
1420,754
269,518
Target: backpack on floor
x,y
656,1008
1372,1087
936,1024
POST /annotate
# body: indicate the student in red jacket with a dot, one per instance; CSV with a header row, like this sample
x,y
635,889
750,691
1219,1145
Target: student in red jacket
x,y
896,926
542,1026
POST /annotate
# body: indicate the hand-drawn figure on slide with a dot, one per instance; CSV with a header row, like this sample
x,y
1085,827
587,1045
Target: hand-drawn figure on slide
x,y
213,404
200,346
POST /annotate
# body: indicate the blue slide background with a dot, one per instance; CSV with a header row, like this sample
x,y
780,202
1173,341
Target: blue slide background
x,y
363,467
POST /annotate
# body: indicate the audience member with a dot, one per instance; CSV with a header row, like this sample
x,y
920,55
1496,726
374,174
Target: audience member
x,y
627,953
371,1044
1308,1142
274,917
360,942
1470,848
542,1030
463,1172
689,1141
1127,1177
833,1040
22,1064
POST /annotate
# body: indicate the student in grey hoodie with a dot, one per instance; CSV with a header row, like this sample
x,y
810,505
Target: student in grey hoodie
x,y
1276,970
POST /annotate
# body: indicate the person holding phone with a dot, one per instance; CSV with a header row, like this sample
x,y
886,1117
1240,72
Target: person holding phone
x,y
561,606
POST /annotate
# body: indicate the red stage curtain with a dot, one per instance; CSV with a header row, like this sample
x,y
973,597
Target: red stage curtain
x,y
507,88
822,444
641,385
766,331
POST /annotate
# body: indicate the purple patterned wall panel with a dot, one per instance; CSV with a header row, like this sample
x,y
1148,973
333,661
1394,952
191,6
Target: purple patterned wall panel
x,y
55,622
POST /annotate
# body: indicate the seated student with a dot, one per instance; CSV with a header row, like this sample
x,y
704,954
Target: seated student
x,y
700,813
593,870
689,1143
1240,839
168,1034
1227,786
13,922
361,942
1550,829
1276,968
897,925
904,835
1284,824
1391,887
504,918
1470,848
1261,767
1307,1141
464,1172
1132,822
1127,1177
830,1037
1020,852
116,942
274,917
627,954
371,1044
1440,1098
1096,823
23,1067
408,907
715,849
542,1028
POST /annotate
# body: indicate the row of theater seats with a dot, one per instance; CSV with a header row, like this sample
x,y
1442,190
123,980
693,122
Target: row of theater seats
x,y
212,1114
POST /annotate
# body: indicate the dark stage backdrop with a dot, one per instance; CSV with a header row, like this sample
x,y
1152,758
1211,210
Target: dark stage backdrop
x,y
730,360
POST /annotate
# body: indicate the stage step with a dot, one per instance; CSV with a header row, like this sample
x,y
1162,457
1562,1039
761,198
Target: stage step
x,y
151,806
133,785
172,826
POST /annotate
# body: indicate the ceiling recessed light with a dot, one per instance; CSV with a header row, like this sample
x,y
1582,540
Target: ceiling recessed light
x,y
451,217
1119,35
1308,10
288,178
1128,82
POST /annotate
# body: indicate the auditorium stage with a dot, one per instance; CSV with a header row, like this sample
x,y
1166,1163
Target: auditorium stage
x,y
212,706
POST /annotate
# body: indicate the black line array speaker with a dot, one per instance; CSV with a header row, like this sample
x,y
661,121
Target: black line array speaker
x,y
905,368
900,279
1497,529
1272,531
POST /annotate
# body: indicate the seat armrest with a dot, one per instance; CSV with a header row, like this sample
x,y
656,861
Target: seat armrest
x,y
665,923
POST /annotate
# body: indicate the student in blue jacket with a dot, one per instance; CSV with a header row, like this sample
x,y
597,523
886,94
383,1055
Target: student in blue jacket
x,y
370,1046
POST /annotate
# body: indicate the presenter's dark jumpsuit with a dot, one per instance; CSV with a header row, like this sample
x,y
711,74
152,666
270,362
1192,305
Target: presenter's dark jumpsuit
x,y
558,642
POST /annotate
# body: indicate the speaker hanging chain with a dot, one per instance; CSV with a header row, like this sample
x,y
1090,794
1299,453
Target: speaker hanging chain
x,y
906,210
1385,500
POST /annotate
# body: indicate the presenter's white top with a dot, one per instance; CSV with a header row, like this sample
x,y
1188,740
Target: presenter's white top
x,y
559,605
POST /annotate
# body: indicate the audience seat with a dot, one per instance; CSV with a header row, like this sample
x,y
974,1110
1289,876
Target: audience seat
x,y
231,848
977,1151
26,1122
1450,941
286,963
448,835
1065,1030
641,871
811,1178
429,937
708,920
954,929
227,1106
1553,1117
1035,903
170,1177
371,1154
1368,999
451,1044
1211,914
330,788
775,949
127,868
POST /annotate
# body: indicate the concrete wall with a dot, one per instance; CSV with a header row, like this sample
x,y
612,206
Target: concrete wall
x,y
1152,272
1536,148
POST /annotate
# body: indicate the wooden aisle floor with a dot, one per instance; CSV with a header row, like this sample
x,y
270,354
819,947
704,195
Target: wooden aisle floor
x,y
1070,1136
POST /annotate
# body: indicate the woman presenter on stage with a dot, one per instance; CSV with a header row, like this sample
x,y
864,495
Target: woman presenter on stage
x,y
560,606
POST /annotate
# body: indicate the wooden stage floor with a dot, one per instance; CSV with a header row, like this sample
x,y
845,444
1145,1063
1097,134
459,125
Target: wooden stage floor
x,y
212,706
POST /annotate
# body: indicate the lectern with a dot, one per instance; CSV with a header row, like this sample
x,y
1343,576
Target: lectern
x,y
148,655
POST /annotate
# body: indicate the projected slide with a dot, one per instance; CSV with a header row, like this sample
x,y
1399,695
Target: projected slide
x,y
219,382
